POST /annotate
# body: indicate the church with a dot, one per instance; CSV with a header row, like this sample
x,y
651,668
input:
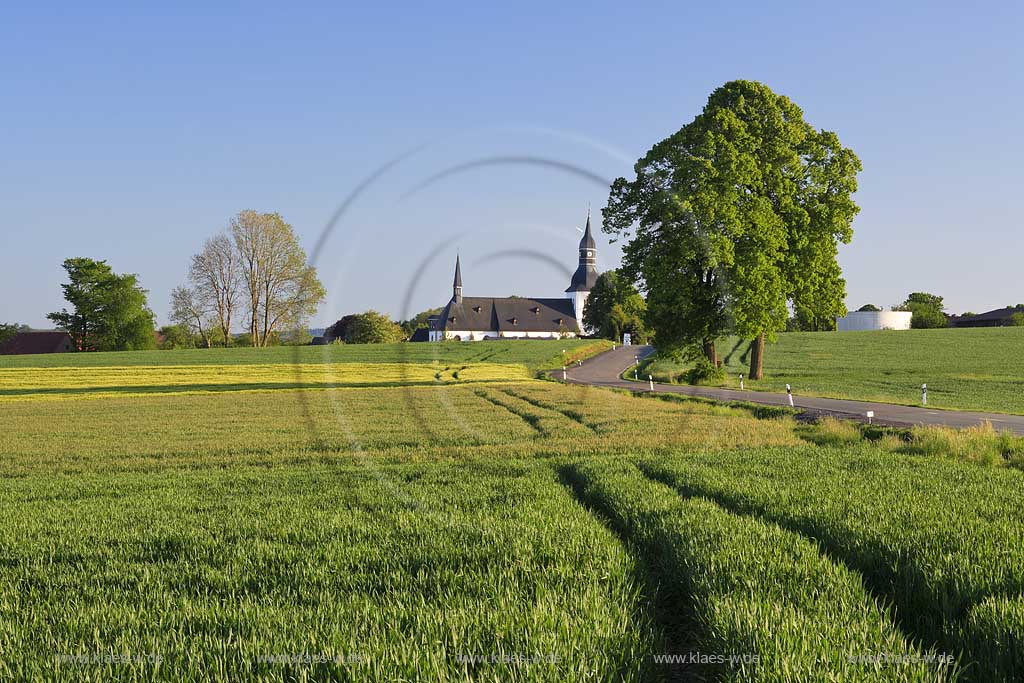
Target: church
x,y
467,318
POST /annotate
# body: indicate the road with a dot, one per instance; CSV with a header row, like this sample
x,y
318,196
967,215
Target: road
x,y
604,370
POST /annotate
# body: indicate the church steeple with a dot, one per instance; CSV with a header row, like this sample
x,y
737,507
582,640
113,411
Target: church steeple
x,y
457,284
586,272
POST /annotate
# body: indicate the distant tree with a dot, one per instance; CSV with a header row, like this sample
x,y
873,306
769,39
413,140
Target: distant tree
x,y
342,329
280,290
109,311
927,310
297,337
9,330
175,337
193,311
418,321
215,276
615,307
736,215
869,308
1017,319
372,327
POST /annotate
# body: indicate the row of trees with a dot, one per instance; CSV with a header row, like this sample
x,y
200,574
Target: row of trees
x,y
735,220
255,270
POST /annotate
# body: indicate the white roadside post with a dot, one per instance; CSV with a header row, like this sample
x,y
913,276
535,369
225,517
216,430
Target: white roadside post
x,y
563,373
789,393
636,368
924,394
651,380
741,381
871,415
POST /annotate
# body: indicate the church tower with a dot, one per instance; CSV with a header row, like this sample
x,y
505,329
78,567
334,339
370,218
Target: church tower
x,y
585,276
457,284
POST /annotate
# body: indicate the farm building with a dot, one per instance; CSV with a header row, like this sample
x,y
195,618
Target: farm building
x,y
1002,317
874,320
42,341
479,318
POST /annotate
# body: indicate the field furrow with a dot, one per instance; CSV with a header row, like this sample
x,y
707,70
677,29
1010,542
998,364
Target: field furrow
x,y
763,599
924,534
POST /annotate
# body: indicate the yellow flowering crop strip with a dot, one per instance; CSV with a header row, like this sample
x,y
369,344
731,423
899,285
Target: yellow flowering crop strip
x,y
77,382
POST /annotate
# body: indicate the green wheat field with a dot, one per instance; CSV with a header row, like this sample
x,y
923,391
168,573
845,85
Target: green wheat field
x,y
967,369
437,512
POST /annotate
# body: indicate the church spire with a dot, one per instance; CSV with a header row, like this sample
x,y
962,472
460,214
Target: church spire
x,y
586,272
457,284
587,243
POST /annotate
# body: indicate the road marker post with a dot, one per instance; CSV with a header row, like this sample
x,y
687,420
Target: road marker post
x,y
924,394
563,373
651,380
871,415
789,393
741,381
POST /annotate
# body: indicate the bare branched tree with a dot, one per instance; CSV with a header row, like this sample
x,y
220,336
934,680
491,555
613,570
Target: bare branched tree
x,y
192,310
281,290
215,275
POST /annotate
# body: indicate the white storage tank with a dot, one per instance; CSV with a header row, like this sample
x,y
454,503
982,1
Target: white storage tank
x,y
874,320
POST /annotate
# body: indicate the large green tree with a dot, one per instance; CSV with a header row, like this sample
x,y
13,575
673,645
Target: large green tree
x,y
108,312
735,218
614,307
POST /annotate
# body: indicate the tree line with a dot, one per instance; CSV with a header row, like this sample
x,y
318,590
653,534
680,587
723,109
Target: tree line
x,y
255,270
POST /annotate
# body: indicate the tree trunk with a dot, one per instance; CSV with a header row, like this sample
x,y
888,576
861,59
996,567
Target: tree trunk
x,y
757,358
710,352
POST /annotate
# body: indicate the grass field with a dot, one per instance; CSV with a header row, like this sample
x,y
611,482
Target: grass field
x,y
385,518
970,369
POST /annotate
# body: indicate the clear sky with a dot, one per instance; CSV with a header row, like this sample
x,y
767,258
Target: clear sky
x,y
133,133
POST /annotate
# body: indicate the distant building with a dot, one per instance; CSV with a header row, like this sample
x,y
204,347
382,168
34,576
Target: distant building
x,y
479,318
1002,317
43,341
420,335
874,320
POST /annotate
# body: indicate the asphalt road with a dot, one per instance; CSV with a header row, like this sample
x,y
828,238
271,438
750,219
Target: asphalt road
x,y
604,370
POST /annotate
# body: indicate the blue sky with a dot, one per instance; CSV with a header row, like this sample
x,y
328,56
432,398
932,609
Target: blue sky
x,y
133,133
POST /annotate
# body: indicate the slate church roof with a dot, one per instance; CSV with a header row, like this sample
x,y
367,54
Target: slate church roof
x,y
515,314
508,314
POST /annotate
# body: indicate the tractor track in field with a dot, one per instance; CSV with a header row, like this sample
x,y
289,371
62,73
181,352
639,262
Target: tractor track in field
x,y
671,617
544,405
882,594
